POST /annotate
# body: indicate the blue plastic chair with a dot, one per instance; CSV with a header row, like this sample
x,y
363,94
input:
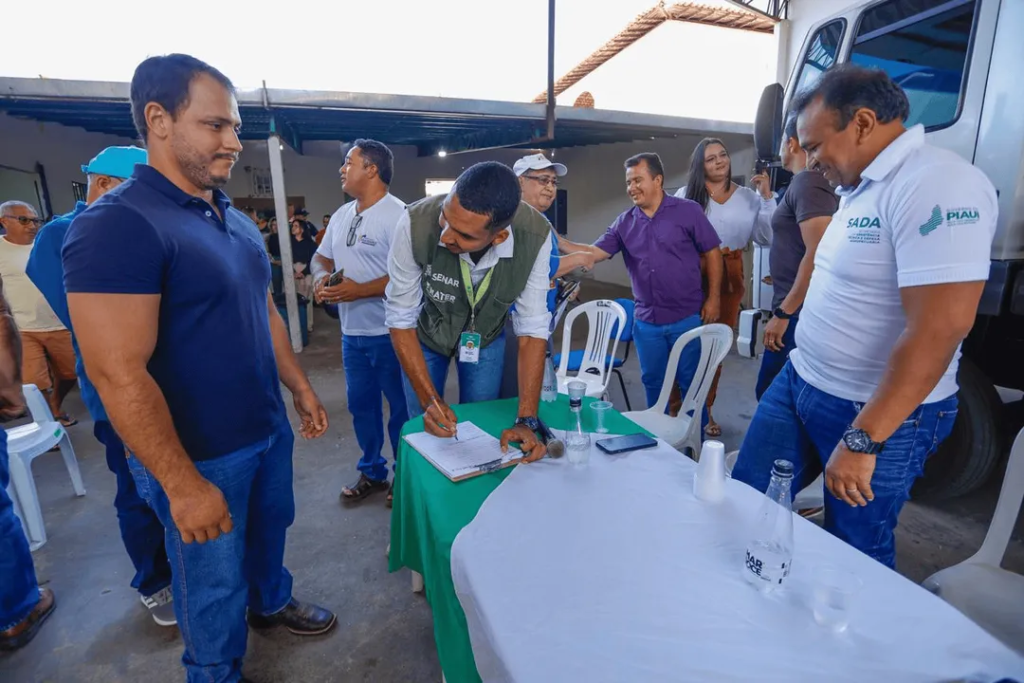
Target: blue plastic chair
x,y
576,357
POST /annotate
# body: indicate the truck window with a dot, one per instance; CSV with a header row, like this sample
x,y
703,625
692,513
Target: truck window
x,y
923,46
821,53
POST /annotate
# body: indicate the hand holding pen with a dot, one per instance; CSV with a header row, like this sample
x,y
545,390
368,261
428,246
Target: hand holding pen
x,y
440,420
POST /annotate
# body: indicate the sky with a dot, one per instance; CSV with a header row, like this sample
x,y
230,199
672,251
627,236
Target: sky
x,y
483,49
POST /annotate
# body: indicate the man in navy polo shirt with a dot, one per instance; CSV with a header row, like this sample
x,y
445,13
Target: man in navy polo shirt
x,y
167,288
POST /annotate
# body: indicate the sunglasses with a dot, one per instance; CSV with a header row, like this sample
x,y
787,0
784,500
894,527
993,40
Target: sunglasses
x,y
25,220
356,222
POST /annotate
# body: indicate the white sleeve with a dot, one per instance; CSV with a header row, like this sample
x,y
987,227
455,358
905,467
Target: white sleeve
x,y
531,317
943,220
326,248
762,232
681,192
404,292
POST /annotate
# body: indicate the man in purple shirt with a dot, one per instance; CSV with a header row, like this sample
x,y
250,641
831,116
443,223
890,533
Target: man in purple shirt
x,y
662,239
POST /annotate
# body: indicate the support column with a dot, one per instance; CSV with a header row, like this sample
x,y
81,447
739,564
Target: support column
x,y
284,239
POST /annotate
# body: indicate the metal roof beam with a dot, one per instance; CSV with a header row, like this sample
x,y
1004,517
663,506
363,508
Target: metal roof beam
x,y
776,10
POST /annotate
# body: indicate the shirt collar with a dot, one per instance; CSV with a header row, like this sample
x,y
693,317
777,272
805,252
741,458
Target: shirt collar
x,y
158,181
889,158
504,250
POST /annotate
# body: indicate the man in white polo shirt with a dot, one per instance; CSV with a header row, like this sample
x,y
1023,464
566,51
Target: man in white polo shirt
x,y
357,242
870,391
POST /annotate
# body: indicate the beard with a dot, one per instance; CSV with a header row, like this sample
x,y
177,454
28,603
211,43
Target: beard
x,y
196,165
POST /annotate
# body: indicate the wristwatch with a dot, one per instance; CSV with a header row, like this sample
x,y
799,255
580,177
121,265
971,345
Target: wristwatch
x,y
858,441
781,314
531,423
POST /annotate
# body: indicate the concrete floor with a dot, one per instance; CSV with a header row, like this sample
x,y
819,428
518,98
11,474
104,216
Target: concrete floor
x,y
100,632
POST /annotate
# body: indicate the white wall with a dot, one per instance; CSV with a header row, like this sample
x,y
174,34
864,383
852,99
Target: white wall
x,y
682,69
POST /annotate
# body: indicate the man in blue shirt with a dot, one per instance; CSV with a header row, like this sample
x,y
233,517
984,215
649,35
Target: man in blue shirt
x,y
141,530
168,291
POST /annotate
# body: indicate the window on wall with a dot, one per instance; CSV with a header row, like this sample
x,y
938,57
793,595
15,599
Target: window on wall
x,y
435,186
923,45
821,53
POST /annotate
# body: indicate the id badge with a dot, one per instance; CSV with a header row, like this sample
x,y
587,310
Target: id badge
x,y
469,347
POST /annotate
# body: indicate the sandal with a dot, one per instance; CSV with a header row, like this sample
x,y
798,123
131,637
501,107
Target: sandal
x,y
390,498
361,489
713,429
66,420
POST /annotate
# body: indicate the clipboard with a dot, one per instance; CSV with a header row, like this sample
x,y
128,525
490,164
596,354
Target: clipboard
x,y
475,453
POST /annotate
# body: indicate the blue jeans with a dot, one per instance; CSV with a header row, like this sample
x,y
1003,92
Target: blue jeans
x,y
214,582
372,368
141,530
19,590
773,361
796,422
480,381
653,345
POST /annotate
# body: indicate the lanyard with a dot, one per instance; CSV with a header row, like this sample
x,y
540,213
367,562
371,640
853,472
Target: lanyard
x,y
474,297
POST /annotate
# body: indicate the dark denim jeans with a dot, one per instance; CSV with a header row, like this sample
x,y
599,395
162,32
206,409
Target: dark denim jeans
x,y
480,381
796,422
141,530
772,362
215,581
372,369
19,590
653,345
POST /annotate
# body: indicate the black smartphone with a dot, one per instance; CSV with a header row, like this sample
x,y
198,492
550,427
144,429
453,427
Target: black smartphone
x,y
624,444
761,166
335,278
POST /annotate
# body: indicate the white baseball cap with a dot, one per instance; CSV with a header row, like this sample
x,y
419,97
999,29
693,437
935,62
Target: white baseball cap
x,y
537,162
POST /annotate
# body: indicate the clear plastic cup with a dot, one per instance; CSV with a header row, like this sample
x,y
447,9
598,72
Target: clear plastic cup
x,y
600,409
835,597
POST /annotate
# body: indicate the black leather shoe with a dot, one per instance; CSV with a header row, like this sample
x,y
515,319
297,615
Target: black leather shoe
x,y
301,618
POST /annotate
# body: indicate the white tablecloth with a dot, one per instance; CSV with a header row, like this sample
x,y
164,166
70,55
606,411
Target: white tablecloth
x,y
615,572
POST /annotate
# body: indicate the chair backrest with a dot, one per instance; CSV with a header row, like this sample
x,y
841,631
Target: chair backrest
x,y
37,404
714,340
602,316
628,305
1007,508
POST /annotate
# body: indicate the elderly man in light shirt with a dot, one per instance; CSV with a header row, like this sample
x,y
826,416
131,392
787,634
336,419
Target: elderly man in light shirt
x,y
457,264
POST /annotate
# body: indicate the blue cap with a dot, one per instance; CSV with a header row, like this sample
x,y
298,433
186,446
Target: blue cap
x,y
116,162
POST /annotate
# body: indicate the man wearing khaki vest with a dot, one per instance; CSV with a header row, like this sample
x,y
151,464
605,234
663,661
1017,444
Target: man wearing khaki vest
x,y
457,264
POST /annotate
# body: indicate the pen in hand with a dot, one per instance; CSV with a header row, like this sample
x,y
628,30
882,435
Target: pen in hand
x,y
441,412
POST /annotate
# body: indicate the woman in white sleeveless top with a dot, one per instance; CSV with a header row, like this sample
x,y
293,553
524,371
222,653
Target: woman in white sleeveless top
x,y
738,215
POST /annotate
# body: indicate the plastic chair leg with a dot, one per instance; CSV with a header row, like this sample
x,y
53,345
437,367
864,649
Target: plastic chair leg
x,y
622,383
24,487
71,462
417,582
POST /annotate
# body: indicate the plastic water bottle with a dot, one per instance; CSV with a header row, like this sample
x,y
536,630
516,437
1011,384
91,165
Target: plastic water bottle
x,y
770,552
549,386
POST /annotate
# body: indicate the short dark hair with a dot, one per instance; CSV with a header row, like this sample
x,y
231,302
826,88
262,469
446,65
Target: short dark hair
x,y
790,128
165,80
652,159
327,215
378,154
490,188
849,87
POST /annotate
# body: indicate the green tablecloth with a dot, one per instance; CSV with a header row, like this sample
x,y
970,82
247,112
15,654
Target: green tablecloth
x,y
429,511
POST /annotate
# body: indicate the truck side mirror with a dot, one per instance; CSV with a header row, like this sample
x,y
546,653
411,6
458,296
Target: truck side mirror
x,y
768,123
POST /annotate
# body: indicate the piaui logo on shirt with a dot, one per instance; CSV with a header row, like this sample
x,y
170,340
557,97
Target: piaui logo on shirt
x,y
962,215
934,221
864,222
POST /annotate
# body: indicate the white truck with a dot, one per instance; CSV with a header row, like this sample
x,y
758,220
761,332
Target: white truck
x,y
960,63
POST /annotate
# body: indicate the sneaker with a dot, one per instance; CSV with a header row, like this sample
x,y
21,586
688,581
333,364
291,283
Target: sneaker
x,y
161,607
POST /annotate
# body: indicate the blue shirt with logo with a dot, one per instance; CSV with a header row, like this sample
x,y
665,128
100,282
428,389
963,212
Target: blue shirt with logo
x,y
214,357
47,274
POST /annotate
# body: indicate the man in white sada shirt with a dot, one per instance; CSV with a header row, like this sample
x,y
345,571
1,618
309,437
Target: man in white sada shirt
x,y
870,391
357,242
458,263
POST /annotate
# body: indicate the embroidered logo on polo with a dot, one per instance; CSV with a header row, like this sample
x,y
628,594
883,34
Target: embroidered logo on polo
x,y
933,222
864,230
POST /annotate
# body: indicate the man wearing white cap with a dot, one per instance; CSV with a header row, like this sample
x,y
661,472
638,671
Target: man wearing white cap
x,y
141,530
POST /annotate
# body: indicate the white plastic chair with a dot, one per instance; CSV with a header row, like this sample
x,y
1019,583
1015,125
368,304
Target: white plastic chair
x,y
683,431
989,595
810,498
595,368
25,444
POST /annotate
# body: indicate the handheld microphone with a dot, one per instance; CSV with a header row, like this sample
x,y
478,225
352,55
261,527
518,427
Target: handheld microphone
x,y
555,446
